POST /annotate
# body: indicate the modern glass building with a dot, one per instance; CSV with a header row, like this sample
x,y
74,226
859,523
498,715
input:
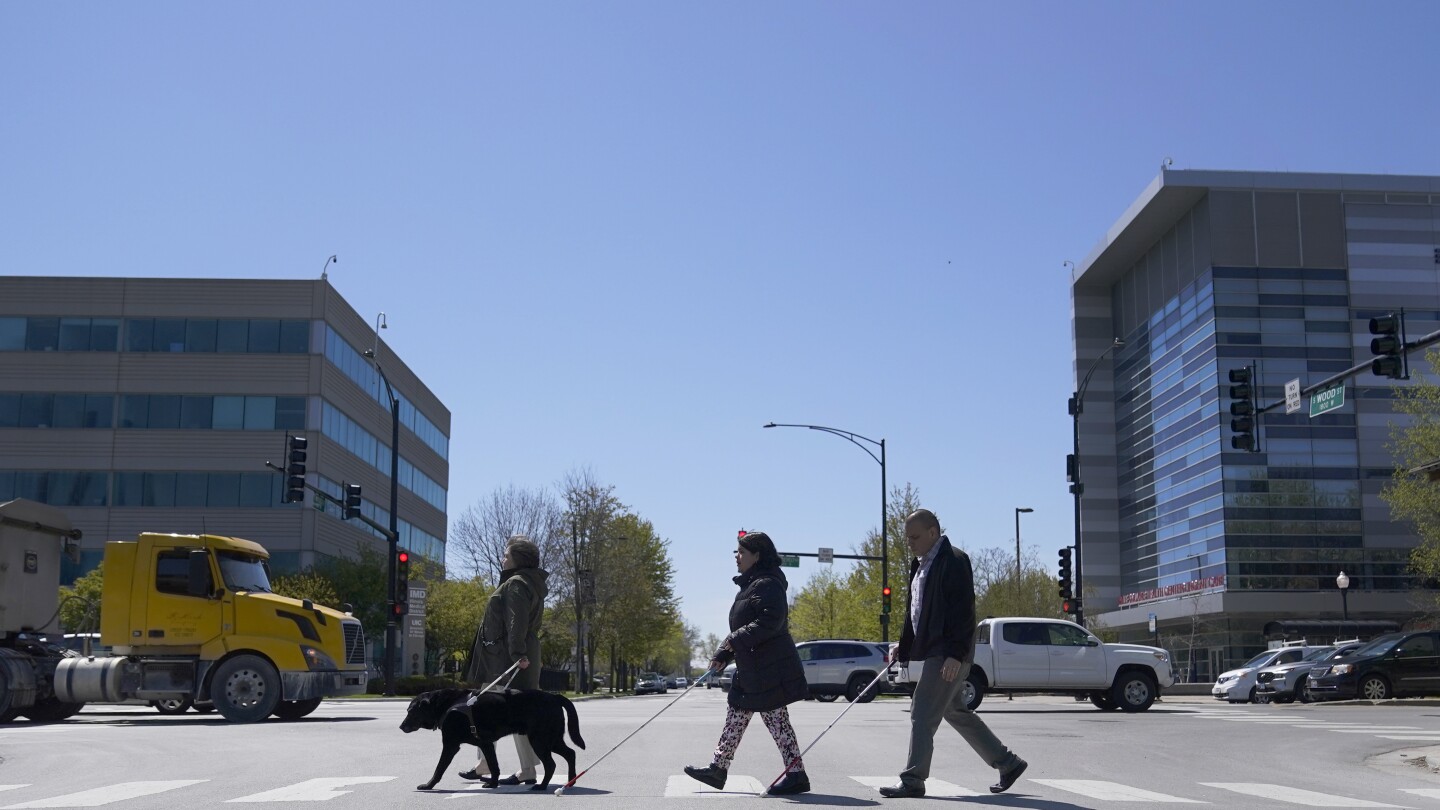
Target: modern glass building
x,y
1210,271
140,404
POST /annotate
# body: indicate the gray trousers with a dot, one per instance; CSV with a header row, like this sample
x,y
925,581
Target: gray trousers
x,y
936,700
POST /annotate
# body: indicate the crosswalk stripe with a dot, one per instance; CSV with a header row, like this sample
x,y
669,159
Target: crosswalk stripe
x,y
1373,729
311,790
108,794
1429,793
12,787
1413,737
934,788
1113,791
1282,793
683,787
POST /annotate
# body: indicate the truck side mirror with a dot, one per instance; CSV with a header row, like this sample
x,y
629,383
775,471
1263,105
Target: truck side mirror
x,y
199,581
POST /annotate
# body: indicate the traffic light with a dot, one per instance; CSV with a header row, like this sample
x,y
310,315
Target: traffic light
x,y
1242,409
1389,347
1065,584
402,581
885,599
352,501
295,469
1070,606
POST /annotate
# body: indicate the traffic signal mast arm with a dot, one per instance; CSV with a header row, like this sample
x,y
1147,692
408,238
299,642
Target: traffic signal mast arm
x,y
1432,338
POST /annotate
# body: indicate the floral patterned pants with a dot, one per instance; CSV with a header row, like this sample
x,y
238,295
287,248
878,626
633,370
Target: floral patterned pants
x,y
777,721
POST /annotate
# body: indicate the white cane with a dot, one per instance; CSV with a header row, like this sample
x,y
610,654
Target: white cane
x,y
801,755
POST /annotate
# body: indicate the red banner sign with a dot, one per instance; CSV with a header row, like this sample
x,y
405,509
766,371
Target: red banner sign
x,y
1179,589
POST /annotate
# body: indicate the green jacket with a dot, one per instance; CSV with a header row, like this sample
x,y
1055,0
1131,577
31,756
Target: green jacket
x,y
510,629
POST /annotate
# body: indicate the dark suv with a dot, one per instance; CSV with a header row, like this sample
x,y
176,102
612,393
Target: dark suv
x,y
835,667
1392,665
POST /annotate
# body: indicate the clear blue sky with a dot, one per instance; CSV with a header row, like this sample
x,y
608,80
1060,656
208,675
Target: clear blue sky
x,y
626,235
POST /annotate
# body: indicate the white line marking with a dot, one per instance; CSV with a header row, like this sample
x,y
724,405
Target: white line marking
x,y
1374,729
1429,793
1294,795
12,787
109,794
683,787
1415,737
1113,791
312,790
934,788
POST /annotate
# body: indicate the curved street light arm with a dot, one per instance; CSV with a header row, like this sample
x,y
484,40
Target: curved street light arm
x,y
844,434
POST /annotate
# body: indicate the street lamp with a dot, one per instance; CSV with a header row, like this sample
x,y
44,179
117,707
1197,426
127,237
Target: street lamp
x,y
1343,583
1077,407
392,627
1018,510
884,535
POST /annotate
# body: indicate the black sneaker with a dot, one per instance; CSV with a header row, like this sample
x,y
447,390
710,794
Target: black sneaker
x,y
710,775
1009,775
902,791
792,783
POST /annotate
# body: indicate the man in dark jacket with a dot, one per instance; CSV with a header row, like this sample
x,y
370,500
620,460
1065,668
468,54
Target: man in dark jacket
x,y
940,630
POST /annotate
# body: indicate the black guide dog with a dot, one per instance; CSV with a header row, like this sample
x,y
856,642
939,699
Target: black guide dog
x,y
540,716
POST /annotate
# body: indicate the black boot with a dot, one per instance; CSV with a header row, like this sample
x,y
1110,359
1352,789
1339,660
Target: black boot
x,y
712,775
793,783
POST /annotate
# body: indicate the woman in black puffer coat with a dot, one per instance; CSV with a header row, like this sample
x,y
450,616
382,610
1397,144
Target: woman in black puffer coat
x,y
768,674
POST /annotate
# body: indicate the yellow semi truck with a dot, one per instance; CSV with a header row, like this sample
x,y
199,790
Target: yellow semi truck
x,y
188,618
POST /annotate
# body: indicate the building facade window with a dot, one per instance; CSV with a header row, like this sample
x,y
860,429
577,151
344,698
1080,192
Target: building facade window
x,y
367,447
20,334
197,489
204,412
250,336
57,488
362,372
411,537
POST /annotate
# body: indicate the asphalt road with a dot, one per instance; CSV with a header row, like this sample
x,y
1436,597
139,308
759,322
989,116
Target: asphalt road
x,y
351,754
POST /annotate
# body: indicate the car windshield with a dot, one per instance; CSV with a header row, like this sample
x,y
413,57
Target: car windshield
x,y
1342,651
244,572
1379,646
1261,659
1318,654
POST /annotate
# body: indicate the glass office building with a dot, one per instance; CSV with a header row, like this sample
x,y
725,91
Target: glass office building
x,y
154,404
1213,271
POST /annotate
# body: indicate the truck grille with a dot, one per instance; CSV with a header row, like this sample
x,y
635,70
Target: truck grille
x,y
354,643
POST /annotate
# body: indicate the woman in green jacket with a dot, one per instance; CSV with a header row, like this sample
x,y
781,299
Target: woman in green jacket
x,y
510,634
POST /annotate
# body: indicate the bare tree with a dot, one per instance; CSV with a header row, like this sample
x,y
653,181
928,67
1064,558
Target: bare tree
x,y
481,533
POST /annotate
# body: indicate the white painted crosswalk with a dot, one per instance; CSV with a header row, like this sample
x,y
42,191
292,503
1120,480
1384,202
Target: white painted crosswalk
x,y
1062,792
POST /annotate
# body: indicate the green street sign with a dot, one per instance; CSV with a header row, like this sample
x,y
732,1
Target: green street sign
x,y
1327,399
789,561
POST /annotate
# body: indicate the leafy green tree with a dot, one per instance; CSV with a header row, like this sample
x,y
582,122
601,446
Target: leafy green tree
x,y
308,584
453,609
998,593
829,607
80,603
1415,498
362,584
636,610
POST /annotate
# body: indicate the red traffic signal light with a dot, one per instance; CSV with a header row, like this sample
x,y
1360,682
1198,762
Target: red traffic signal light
x,y
885,599
886,590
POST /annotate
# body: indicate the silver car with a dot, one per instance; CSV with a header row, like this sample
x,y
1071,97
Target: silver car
x,y
1277,683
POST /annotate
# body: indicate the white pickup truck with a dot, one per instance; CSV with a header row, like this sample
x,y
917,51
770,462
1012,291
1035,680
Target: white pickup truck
x,y
1052,656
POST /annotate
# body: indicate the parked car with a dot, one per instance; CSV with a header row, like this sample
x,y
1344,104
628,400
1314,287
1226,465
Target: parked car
x,y
835,667
1393,665
650,683
677,682
726,677
1286,683
1020,654
1238,685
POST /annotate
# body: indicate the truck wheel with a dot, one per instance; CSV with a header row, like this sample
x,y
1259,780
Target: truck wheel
x,y
51,710
245,689
172,705
1103,701
296,709
1373,687
853,693
973,690
1133,691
